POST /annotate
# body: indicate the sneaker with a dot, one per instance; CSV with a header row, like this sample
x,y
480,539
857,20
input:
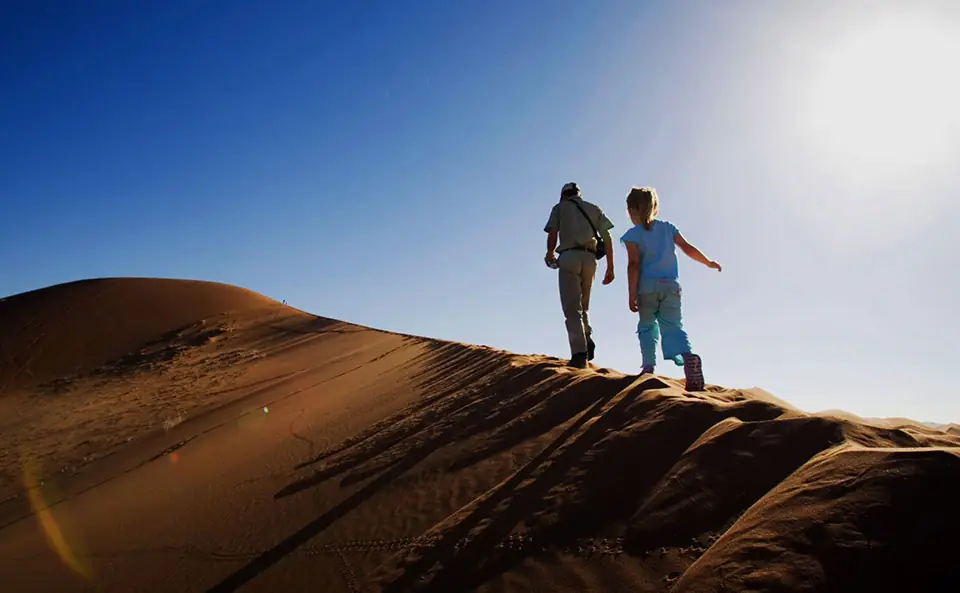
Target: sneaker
x,y
647,370
579,360
693,371
591,348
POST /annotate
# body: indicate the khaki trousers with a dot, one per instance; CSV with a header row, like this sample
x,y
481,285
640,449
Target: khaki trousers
x,y
576,270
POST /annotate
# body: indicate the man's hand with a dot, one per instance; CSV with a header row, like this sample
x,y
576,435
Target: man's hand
x,y
549,259
714,265
634,303
608,277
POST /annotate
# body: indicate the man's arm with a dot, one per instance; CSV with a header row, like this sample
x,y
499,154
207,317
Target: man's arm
x,y
604,225
552,228
608,245
551,245
633,275
694,253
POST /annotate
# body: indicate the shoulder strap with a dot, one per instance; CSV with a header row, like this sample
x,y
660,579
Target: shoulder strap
x,y
580,208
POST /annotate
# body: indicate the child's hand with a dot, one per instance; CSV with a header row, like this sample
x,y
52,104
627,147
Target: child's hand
x,y
634,304
715,266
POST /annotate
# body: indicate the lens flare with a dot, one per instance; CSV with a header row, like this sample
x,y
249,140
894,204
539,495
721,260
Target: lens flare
x,y
52,530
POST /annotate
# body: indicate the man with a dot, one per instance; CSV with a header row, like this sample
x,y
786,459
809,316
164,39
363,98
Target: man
x,y
577,264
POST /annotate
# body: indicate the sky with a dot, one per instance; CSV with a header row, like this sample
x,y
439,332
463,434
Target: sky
x,y
393,164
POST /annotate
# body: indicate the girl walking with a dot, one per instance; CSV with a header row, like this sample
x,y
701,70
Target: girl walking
x,y
652,275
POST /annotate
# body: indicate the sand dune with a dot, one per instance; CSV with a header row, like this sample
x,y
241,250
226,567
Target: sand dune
x,y
76,327
164,435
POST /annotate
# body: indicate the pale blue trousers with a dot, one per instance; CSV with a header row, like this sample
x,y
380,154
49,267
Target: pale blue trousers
x,y
661,319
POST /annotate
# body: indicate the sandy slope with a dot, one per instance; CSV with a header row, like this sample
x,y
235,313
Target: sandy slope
x,y
184,436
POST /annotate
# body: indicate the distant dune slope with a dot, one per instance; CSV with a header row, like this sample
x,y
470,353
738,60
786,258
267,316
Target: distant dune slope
x,y
75,327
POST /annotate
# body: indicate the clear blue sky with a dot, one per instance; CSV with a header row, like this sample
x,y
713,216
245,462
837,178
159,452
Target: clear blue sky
x,y
393,164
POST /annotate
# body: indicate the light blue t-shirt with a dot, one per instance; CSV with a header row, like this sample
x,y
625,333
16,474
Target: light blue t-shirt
x,y
658,254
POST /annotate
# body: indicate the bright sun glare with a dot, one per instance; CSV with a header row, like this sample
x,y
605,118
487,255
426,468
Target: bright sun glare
x,y
886,99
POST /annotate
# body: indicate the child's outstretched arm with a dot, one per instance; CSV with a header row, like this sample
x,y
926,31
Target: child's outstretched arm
x,y
694,253
633,275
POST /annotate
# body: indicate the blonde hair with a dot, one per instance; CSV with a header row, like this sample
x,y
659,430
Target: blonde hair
x,y
643,205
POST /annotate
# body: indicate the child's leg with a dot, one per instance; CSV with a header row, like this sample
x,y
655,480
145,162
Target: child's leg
x,y
675,340
648,330
676,344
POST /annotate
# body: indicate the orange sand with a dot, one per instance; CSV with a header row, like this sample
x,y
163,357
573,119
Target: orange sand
x,y
168,435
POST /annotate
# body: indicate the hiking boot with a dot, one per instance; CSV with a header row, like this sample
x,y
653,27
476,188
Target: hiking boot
x,y
591,348
578,360
693,371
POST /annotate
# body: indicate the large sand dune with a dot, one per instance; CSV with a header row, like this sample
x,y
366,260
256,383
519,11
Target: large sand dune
x,y
165,435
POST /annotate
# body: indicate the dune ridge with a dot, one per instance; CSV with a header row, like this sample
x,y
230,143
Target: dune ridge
x,y
403,463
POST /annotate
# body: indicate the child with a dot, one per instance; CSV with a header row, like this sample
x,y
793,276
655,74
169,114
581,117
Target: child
x,y
654,291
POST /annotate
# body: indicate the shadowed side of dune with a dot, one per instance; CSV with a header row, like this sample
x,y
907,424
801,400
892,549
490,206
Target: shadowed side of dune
x,y
850,520
630,456
75,327
736,463
732,466
667,465
585,482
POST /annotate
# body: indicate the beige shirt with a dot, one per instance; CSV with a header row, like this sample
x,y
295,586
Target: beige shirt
x,y
574,229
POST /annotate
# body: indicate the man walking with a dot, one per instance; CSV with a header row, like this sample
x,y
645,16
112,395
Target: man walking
x,y
578,224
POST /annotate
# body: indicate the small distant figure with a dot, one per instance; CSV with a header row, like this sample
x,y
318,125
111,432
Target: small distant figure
x,y
583,233
284,301
654,290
